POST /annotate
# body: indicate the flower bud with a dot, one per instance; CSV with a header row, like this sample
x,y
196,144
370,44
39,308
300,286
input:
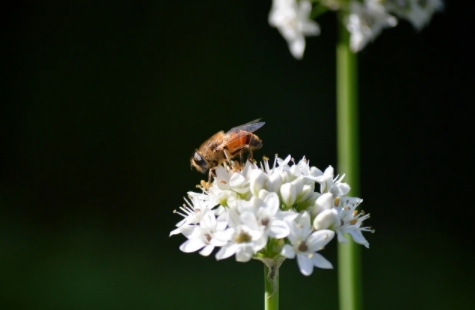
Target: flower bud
x,y
258,181
324,220
288,193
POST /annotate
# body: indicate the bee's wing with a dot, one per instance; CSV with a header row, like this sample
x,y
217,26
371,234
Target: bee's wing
x,y
249,127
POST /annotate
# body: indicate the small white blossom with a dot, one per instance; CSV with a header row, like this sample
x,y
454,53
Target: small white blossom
x,y
349,221
417,12
270,219
204,236
331,184
292,20
366,21
246,237
344,219
192,212
305,244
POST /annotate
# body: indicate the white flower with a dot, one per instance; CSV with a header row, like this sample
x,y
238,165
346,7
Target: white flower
x,y
229,185
246,237
366,21
204,236
418,12
270,219
231,180
330,184
305,244
192,212
292,20
349,221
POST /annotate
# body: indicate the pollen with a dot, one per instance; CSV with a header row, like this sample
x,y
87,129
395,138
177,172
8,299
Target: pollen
x,y
336,202
205,185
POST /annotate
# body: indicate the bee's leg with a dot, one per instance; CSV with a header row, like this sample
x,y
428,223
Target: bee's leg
x,y
249,150
210,175
227,155
228,159
250,156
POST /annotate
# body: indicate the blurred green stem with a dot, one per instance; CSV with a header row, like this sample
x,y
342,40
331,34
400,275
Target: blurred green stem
x,y
349,269
271,296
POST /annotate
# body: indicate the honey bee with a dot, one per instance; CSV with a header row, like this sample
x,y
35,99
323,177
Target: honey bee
x,y
221,147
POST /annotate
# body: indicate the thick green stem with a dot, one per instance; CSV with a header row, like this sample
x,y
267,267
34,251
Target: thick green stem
x,y
271,296
349,269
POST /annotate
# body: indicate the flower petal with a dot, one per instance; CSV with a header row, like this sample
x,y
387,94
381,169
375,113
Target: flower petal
x,y
305,264
208,221
226,251
358,236
297,47
321,262
317,240
304,223
206,251
244,253
341,237
288,251
278,229
273,203
192,245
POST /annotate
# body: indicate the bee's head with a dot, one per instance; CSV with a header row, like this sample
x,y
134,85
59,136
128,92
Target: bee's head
x,y
199,163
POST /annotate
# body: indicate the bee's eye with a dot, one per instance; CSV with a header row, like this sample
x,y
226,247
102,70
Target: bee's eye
x,y
199,161
198,158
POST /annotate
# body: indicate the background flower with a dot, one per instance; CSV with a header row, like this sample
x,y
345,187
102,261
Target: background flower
x,y
291,17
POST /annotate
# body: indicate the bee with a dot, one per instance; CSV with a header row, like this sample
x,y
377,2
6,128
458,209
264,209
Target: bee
x,y
221,147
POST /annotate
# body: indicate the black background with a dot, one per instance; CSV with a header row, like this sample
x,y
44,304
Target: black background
x,y
102,105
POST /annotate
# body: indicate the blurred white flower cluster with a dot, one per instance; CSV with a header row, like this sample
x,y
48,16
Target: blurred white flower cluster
x,y
268,213
364,19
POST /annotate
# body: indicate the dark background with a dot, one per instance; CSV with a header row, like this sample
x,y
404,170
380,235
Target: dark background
x,y
103,104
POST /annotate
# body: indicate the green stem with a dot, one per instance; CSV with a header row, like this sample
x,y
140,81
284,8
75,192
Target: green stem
x,y
271,296
349,272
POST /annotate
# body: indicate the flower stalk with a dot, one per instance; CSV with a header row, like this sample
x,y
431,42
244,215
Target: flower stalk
x,y
271,296
349,269
271,283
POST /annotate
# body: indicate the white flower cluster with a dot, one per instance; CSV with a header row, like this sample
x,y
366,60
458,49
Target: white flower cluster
x,y
264,212
364,19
